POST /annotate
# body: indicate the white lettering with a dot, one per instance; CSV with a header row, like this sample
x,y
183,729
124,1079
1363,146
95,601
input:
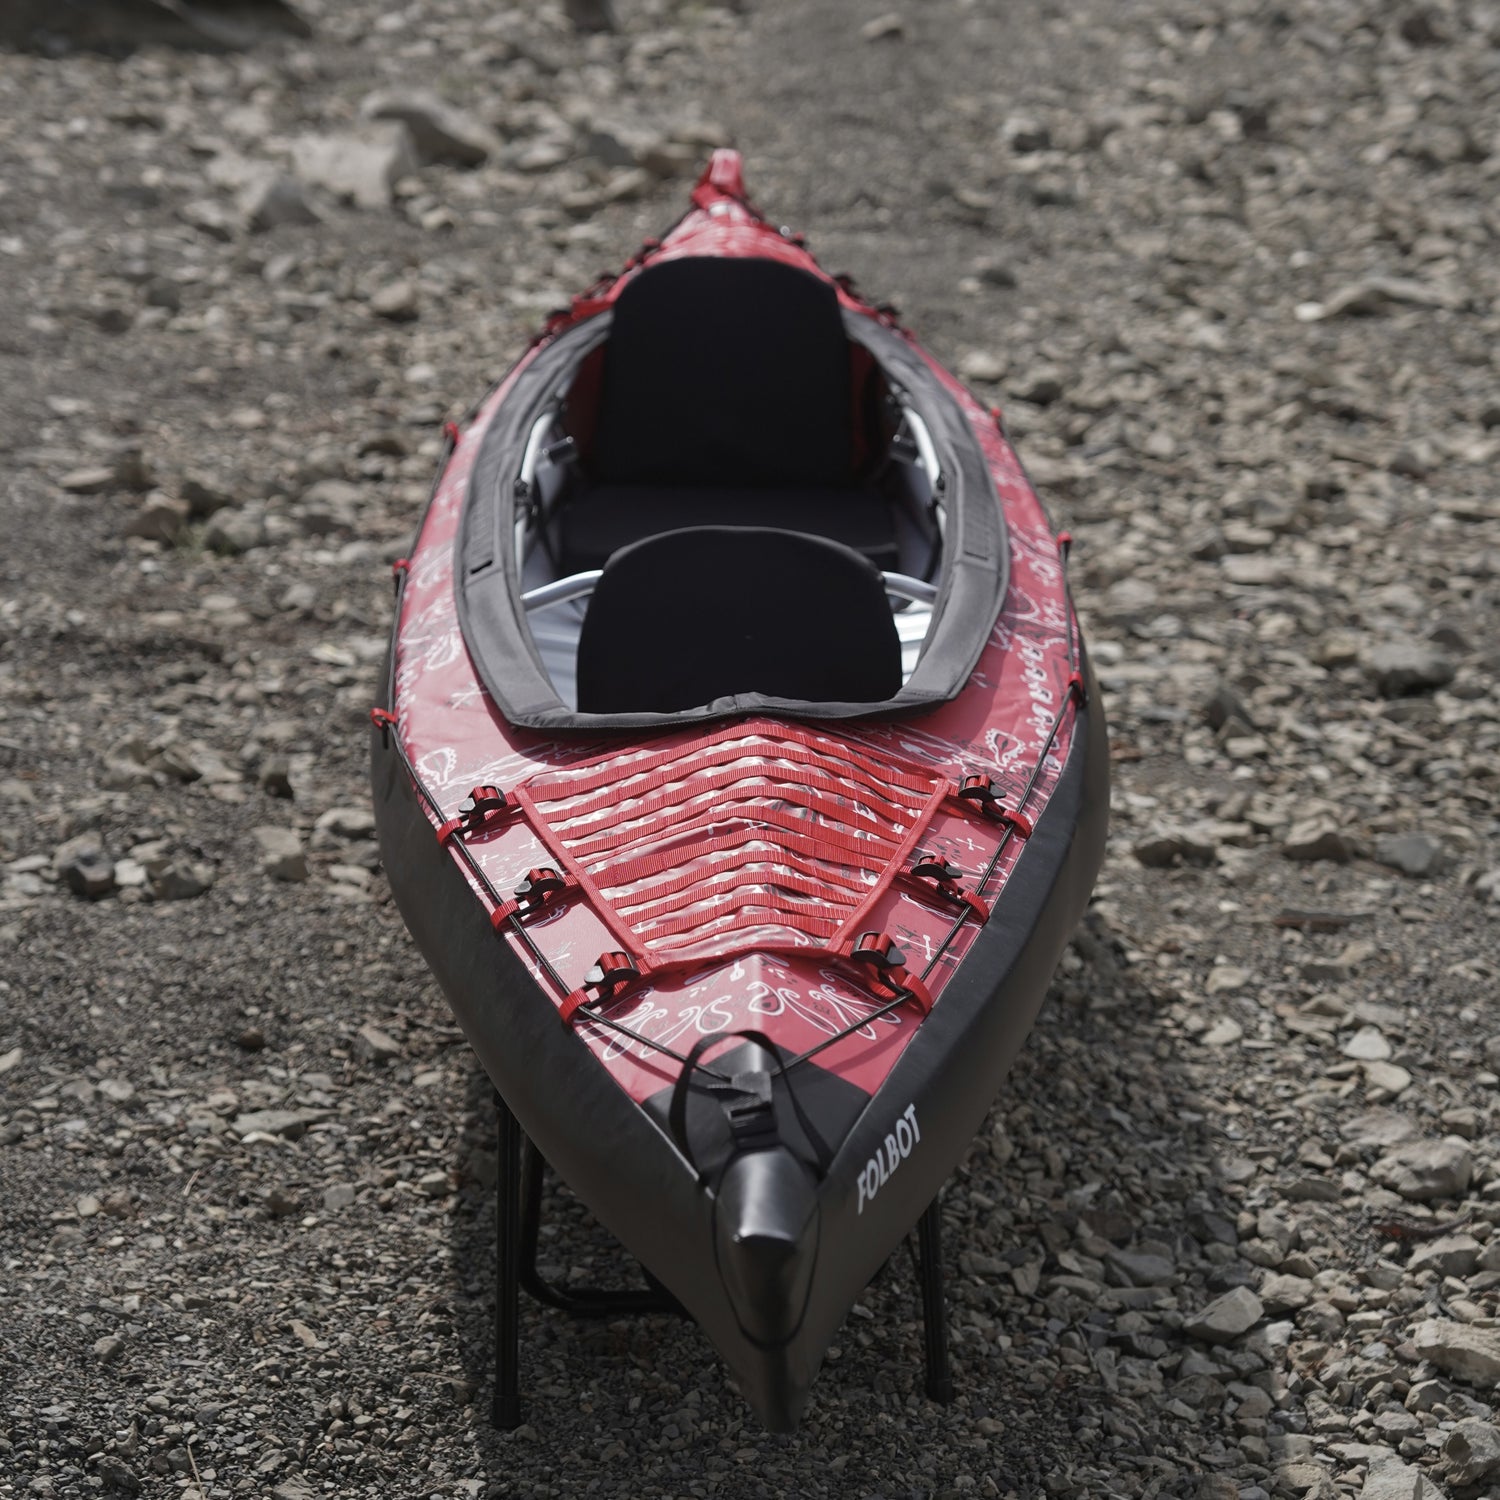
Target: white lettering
x,y
889,1155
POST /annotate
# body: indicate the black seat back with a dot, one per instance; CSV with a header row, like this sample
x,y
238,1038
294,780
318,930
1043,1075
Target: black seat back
x,y
725,372
684,618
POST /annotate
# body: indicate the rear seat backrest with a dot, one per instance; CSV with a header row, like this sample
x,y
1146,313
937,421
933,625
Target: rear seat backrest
x,y
725,372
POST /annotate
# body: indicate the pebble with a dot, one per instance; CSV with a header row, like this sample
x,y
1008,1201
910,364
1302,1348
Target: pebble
x,y
1450,1255
108,1349
1226,1318
1317,838
1400,668
1414,854
1367,1045
396,301
1471,1354
1425,1170
281,854
361,166
439,132
1472,1451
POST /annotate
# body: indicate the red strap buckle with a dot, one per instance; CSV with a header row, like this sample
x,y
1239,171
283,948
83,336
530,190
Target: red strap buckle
x,y
891,979
936,876
450,432
979,792
541,886
613,974
482,804
1077,688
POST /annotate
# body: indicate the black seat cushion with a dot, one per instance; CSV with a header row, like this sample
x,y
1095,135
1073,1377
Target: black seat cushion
x,y
726,372
682,619
602,520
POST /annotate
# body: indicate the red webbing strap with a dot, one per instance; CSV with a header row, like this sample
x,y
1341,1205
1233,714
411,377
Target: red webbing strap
x,y
897,861
868,851
661,790
547,835
733,742
708,866
652,908
809,922
797,850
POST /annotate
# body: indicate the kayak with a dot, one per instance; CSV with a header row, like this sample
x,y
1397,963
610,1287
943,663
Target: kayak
x,y
740,774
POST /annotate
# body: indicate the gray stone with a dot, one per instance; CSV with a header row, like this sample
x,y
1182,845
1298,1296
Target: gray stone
x,y
181,880
96,479
281,855
1451,1255
337,1196
274,201
160,518
396,301
108,1349
1425,1170
1317,838
348,822
1141,1268
362,166
1415,854
233,532
439,132
1471,1354
375,1044
289,1123
1226,1318
1391,1479
1282,1294
1367,1045
1472,1451
1400,668
1379,1129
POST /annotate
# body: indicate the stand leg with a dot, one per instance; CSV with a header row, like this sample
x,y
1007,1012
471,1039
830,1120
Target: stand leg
x,y
934,1315
507,1409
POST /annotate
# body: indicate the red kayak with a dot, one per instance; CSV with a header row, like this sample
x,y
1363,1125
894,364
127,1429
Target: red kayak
x,y
741,776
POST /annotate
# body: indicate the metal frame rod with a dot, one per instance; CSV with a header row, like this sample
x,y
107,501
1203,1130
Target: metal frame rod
x,y
507,1405
934,1313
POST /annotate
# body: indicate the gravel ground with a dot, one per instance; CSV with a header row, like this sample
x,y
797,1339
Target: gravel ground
x,y
1231,270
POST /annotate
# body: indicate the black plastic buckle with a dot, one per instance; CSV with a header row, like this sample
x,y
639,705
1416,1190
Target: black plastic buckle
x,y
750,1111
935,868
539,887
612,971
480,803
980,791
878,949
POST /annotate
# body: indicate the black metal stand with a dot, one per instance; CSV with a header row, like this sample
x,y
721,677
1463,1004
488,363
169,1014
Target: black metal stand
x,y
518,1223
518,1218
934,1313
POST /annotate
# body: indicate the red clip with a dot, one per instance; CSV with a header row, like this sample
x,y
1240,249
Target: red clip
x,y
540,886
936,876
482,804
1077,688
384,720
978,791
891,979
400,571
611,977
450,431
